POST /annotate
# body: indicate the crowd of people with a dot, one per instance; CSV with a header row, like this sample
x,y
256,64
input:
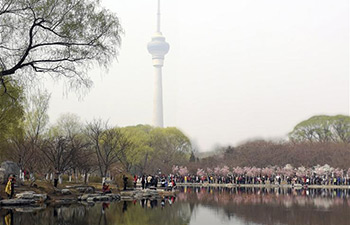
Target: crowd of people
x,y
153,181
318,175
272,179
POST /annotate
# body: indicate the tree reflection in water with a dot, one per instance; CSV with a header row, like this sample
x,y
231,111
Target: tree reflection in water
x,y
126,212
231,205
274,206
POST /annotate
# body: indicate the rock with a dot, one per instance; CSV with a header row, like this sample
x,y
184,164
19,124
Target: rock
x,y
86,196
90,199
126,198
29,209
114,196
9,168
127,193
98,197
26,195
12,202
40,197
87,189
85,203
103,198
3,177
66,191
32,195
140,194
65,201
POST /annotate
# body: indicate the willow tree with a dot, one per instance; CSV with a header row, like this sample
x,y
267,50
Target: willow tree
x,y
171,147
11,113
62,38
322,129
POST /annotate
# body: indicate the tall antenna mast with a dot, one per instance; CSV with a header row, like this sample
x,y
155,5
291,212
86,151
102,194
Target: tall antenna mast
x,y
158,17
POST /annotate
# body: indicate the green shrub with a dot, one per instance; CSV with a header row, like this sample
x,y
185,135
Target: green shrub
x,y
120,183
95,179
65,177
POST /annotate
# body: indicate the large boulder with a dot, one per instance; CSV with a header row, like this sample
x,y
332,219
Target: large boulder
x,y
13,202
3,176
66,192
99,197
32,195
84,189
10,168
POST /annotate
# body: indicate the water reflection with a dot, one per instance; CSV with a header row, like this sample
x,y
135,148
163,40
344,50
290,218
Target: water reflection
x,y
273,206
320,198
202,206
8,218
146,211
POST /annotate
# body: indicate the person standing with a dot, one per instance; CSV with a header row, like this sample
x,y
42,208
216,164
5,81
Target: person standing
x,y
106,189
143,181
149,179
13,185
125,180
135,181
55,179
10,186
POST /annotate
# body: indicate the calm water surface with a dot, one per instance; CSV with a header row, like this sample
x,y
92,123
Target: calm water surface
x,y
202,206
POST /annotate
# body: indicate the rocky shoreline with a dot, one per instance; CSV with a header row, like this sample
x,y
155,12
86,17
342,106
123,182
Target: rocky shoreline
x,y
88,196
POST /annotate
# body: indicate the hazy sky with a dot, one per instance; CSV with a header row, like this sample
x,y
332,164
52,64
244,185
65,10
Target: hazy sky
x,y
236,70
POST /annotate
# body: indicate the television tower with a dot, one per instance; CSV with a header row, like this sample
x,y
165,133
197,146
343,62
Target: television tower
x,y
158,48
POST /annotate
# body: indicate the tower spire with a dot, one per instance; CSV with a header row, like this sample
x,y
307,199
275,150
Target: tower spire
x,y
158,17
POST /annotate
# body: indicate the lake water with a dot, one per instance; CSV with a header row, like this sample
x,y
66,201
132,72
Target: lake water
x,y
202,206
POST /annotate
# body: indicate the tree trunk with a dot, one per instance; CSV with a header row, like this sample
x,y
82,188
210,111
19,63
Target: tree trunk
x,y
85,178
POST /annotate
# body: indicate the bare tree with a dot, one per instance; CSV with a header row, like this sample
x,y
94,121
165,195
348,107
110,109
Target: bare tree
x,y
25,145
109,143
61,38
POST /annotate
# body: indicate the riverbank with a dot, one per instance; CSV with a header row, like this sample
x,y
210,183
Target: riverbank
x,y
296,186
44,193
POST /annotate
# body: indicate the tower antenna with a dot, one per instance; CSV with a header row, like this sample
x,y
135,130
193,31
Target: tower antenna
x,y
158,17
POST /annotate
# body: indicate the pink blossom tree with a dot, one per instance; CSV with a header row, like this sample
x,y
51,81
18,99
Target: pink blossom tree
x,y
328,170
217,170
301,172
267,171
209,171
183,171
250,172
225,171
200,172
175,169
319,171
338,172
288,170
238,171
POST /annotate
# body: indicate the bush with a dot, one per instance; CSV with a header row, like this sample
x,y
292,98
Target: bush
x,y
95,179
120,183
